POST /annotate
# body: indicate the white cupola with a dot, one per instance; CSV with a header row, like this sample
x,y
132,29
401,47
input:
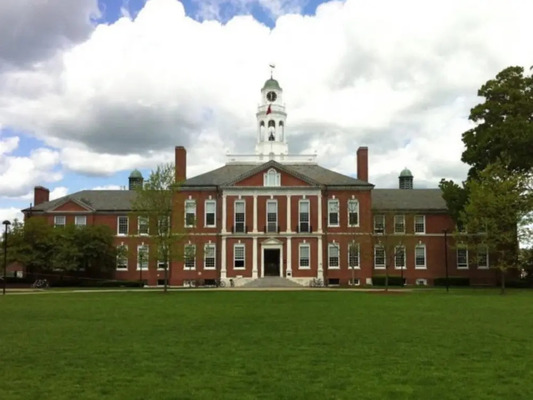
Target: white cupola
x,y
271,117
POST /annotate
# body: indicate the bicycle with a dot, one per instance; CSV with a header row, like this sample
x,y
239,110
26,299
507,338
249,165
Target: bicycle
x,y
316,282
40,284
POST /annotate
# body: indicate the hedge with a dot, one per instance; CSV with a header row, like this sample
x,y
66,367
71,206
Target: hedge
x,y
393,280
452,281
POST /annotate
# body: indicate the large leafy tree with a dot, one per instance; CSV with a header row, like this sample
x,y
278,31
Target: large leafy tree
x,y
504,124
497,214
154,202
43,248
503,134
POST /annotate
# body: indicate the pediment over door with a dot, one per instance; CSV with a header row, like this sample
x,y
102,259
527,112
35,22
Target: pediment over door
x,y
271,242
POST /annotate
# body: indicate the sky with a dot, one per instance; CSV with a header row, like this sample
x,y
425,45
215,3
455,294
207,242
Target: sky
x,y
92,89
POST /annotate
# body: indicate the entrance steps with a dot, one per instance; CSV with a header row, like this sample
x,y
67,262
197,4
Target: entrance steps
x,y
271,282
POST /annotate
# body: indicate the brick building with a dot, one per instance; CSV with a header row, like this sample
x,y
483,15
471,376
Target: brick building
x,y
271,213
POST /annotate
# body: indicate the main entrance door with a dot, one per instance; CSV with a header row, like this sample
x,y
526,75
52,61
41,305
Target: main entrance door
x,y
271,260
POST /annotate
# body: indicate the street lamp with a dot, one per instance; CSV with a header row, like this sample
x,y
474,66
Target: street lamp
x,y
6,224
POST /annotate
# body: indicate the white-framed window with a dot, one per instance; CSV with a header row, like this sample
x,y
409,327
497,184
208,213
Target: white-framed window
x,y
353,212
379,224
303,215
483,257
240,216
209,256
420,256
462,257
80,220
163,224
379,257
399,257
143,225
210,213
333,212
399,223
239,254
190,213
305,256
122,225
189,256
353,255
60,221
420,224
122,257
272,178
333,256
272,216
143,255
162,257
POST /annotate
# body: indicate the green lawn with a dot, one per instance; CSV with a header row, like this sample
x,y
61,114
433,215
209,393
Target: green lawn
x,y
267,345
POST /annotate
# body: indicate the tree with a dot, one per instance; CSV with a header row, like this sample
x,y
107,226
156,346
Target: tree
x,y
456,198
497,214
43,248
503,135
154,203
390,245
32,244
504,130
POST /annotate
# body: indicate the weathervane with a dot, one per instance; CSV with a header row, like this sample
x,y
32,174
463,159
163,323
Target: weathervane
x,y
272,66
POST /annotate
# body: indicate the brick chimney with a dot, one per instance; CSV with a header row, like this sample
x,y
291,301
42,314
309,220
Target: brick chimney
x,y
362,163
181,164
40,195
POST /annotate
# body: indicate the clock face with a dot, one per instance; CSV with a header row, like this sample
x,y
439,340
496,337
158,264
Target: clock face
x,y
271,96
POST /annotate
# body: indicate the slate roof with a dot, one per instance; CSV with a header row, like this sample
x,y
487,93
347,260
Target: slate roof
x,y
101,200
311,173
408,200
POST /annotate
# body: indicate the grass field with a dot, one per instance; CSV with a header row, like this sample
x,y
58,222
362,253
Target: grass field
x,y
267,345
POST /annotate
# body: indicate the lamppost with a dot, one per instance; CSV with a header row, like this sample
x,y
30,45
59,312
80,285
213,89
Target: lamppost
x,y
446,258
6,224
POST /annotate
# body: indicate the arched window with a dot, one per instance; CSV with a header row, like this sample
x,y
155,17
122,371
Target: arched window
x,y
272,123
262,123
281,124
272,178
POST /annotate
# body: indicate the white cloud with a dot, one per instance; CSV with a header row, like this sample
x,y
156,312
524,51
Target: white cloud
x,y
398,77
19,174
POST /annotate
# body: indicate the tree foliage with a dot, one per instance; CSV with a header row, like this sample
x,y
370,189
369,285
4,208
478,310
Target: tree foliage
x,y
155,202
504,130
497,214
43,248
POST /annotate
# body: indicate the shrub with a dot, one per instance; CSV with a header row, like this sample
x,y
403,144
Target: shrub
x,y
115,283
519,283
379,280
452,281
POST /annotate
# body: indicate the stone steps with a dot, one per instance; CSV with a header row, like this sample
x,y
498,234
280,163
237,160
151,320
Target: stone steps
x,y
271,282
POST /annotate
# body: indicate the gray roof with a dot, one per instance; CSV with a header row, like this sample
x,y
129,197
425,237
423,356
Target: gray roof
x,y
408,200
314,174
101,200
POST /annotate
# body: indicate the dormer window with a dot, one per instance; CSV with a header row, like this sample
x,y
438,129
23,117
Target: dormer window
x,y
272,178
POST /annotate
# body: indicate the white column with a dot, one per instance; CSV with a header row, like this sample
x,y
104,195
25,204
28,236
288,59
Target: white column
x,y
254,255
223,259
320,273
224,211
319,230
255,211
289,257
289,222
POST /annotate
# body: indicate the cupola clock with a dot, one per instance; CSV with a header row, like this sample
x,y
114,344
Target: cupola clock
x,y
272,96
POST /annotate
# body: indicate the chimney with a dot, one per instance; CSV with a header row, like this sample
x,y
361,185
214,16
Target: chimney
x,y
40,195
181,164
362,163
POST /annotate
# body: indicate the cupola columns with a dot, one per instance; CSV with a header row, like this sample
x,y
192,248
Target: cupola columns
x,y
271,117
